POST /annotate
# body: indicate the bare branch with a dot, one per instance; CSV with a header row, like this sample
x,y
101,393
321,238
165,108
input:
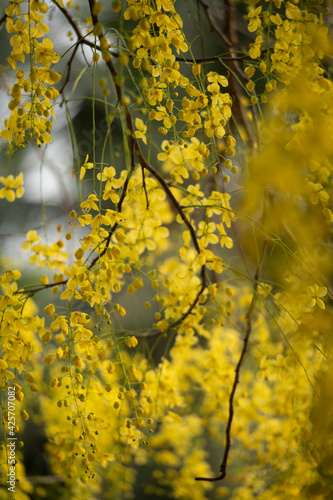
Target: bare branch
x,y
203,60
69,67
249,319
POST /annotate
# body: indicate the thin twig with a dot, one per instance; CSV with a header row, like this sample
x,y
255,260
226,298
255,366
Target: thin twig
x,y
203,60
157,333
43,287
119,207
145,187
69,67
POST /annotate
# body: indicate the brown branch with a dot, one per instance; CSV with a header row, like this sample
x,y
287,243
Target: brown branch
x,y
230,11
223,466
69,19
214,25
69,67
145,187
203,60
187,222
171,196
143,162
119,94
43,287
107,242
177,322
3,18
81,40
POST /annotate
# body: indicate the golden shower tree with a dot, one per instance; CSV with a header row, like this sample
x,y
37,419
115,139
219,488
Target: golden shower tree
x,y
185,348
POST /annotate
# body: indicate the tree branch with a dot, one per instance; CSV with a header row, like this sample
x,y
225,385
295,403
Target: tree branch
x,y
69,67
249,318
203,60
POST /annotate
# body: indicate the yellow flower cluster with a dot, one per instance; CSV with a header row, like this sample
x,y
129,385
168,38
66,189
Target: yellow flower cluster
x,y
299,38
19,324
31,111
154,54
53,256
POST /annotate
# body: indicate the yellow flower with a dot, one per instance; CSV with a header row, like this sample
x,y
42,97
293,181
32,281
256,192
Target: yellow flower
x,y
196,69
253,16
25,415
162,114
4,373
207,232
89,203
162,325
214,77
59,353
8,300
44,53
11,184
225,240
19,41
141,130
108,176
40,6
131,341
250,86
32,238
315,292
255,48
49,309
85,167
38,29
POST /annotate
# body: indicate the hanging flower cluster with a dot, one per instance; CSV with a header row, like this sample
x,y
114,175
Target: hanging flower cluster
x,y
31,111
